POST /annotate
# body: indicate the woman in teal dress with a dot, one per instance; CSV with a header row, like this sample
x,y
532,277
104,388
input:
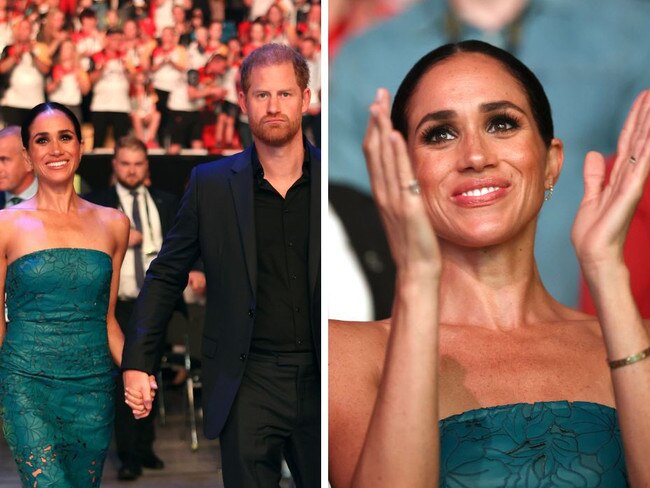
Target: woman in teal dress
x,y
60,258
480,378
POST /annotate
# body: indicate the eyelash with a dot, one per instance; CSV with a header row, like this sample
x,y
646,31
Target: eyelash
x,y
65,138
432,135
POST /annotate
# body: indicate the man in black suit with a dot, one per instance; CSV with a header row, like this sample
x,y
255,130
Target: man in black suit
x,y
151,213
254,218
17,180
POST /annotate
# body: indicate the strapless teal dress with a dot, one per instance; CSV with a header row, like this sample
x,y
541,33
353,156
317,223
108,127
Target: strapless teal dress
x,y
56,385
542,445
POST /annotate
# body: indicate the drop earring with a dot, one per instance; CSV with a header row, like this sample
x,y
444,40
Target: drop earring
x,y
548,193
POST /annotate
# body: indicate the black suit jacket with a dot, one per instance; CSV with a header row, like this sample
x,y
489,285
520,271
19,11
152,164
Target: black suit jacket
x,y
3,199
216,222
166,203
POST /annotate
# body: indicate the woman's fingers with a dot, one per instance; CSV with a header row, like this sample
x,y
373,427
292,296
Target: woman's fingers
x,y
633,138
594,175
372,152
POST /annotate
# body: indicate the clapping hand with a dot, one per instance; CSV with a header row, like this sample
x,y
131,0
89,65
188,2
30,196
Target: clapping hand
x,y
413,243
606,210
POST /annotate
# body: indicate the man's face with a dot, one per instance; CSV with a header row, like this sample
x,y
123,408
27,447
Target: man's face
x,y
274,103
131,167
15,174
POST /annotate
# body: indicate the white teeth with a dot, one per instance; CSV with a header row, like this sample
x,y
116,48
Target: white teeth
x,y
57,164
480,191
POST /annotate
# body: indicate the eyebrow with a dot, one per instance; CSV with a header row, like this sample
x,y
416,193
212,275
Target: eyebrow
x,y
64,131
483,108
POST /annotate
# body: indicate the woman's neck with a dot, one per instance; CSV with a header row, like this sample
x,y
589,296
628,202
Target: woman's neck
x,y
495,287
60,199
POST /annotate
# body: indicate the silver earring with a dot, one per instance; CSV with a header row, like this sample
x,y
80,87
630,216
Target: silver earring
x,y
548,193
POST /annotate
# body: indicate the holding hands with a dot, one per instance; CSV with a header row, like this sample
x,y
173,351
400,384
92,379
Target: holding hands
x,y
139,392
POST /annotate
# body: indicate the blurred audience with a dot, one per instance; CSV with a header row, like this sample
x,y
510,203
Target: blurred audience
x,y
110,61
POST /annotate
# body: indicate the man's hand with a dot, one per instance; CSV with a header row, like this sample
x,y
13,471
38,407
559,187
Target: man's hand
x,y
197,282
135,238
139,391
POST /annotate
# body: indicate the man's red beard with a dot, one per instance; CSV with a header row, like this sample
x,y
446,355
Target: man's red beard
x,y
275,134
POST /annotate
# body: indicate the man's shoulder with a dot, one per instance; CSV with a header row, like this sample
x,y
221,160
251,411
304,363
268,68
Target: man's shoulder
x,y
106,197
225,165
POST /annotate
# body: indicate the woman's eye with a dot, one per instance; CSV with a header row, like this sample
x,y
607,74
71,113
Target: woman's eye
x,y
66,137
41,140
437,135
502,124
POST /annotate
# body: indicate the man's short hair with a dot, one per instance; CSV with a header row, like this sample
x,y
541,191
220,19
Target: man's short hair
x,y
11,130
274,54
130,142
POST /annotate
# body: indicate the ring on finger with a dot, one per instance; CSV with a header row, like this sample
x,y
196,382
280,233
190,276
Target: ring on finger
x,y
413,187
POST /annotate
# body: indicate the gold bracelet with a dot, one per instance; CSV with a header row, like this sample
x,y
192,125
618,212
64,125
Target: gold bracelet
x,y
634,358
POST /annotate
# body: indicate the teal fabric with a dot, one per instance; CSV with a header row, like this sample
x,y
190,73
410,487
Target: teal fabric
x,y
541,445
56,388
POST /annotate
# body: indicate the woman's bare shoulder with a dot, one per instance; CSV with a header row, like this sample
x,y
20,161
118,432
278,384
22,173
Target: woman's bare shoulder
x,y
356,352
344,331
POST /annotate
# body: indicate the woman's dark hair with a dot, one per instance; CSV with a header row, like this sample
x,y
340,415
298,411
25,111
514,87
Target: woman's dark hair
x,y
539,104
45,107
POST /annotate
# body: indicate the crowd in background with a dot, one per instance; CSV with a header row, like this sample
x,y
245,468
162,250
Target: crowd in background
x,y
166,70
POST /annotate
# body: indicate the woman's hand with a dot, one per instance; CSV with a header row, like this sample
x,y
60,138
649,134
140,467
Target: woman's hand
x,y
139,392
412,241
606,210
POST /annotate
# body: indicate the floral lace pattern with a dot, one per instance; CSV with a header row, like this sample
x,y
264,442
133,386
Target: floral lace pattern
x,y
56,388
541,445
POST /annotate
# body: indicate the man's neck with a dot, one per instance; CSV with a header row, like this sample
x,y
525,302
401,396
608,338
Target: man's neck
x,y
24,186
282,165
488,15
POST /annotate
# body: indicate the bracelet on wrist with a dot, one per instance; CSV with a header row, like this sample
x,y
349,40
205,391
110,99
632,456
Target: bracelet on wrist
x,y
634,358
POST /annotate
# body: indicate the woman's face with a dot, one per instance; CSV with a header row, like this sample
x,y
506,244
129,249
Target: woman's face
x,y
477,152
257,32
53,149
275,15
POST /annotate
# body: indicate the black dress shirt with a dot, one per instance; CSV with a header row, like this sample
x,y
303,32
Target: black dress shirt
x,y
282,321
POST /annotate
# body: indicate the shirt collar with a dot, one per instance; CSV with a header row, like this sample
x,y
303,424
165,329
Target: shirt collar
x,y
124,192
27,194
258,170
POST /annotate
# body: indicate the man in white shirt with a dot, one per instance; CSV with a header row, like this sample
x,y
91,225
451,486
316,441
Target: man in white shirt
x,y
151,213
17,180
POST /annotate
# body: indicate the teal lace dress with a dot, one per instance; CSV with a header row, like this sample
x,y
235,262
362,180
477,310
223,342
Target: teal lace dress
x,y
542,445
56,387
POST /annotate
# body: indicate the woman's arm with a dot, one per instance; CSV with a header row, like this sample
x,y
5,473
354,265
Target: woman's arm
x,y
401,447
5,225
598,235
120,228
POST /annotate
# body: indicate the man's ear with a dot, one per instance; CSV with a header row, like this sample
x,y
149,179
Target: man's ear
x,y
241,98
27,160
306,98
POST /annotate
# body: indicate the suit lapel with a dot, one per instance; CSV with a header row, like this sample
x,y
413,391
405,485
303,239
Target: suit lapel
x,y
241,185
314,220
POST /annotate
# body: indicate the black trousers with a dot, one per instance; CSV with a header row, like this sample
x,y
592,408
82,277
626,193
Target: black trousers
x,y
101,120
276,413
133,438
